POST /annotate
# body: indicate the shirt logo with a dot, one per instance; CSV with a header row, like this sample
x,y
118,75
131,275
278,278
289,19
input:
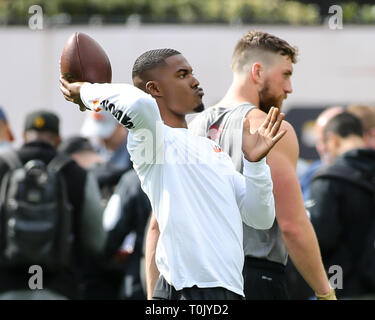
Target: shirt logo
x,y
214,132
217,148
124,119
97,106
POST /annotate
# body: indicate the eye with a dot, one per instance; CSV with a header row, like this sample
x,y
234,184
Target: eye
x,y
182,74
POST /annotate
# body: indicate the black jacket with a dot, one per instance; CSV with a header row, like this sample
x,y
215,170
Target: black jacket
x,y
342,213
75,178
135,211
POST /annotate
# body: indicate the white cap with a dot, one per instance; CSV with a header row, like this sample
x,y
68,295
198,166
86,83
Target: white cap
x,y
99,125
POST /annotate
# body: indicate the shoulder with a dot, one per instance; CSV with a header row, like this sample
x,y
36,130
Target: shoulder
x,y
200,123
288,145
202,117
257,116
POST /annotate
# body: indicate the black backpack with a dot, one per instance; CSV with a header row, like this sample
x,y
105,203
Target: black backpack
x,y
366,264
35,214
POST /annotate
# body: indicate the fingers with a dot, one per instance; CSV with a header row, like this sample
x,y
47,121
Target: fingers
x,y
71,93
246,125
277,124
279,136
64,90
82,108
266,122
274,114
63,83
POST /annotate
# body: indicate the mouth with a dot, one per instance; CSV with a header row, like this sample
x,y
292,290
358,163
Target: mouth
x,y
199,92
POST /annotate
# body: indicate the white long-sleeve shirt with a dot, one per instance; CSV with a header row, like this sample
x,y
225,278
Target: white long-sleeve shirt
x,y
197,196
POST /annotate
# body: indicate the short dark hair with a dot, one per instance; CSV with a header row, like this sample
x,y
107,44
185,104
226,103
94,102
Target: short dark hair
x,y
75,144
344,124
148,61
365,113
256,41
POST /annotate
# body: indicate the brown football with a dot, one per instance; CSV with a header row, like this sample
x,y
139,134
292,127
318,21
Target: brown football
x,y
83,59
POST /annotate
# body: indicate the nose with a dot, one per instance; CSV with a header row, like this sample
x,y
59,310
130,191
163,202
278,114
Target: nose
x,y
195,83
288,88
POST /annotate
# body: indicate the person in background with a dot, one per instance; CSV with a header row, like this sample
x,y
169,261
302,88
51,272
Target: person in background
x,y
262,66
342,204
366,114
116,275
125,219
41,139
324,157
108,137
83,152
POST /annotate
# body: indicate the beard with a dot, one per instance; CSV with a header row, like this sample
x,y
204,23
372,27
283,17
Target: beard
x,y
268,100
199,108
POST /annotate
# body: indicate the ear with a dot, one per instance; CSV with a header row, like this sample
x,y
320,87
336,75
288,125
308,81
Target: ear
x,y
333,140
153,88
256,72
57,140
9,133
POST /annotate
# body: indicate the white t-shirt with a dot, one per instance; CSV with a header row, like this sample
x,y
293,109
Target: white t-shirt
x,y
197,196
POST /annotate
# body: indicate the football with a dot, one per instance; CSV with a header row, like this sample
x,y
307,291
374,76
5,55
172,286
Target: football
x,y
83,59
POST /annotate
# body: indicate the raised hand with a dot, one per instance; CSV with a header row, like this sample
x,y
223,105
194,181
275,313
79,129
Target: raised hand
x,y
71,92
256,145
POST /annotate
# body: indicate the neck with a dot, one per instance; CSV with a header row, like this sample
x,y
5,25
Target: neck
x,y
240,91
350,143
172,119
5,133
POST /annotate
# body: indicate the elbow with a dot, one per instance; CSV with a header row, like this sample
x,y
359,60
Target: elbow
x,y
291,231
264,219
268,222
153,228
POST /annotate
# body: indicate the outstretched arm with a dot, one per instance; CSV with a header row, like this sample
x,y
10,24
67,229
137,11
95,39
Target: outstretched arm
x,y
132,107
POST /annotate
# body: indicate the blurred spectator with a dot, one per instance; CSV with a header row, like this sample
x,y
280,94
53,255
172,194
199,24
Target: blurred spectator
x,y
125,219
321,122
116,274
6,136
81,150
341,207
41,136
108,137
366,114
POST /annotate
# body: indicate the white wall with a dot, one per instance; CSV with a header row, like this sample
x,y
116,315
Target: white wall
x,y
335,66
